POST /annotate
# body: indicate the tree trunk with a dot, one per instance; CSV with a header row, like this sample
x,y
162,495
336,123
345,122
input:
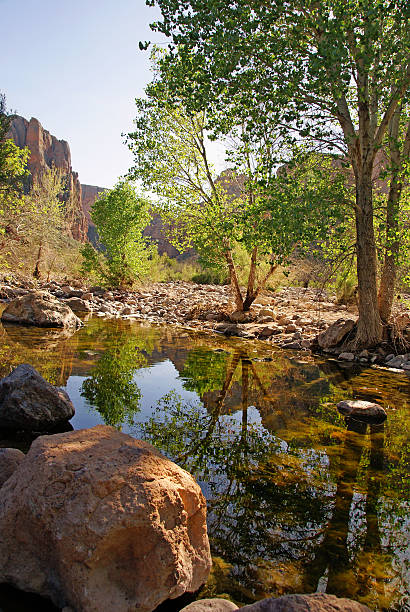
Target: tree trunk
x,y
369,327
236,292
36,272
388,277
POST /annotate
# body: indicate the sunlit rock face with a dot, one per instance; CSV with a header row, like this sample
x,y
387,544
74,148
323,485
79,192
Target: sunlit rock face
x,y
47,151
99,521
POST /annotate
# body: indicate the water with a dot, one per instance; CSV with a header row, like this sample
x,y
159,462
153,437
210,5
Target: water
x,y
299,498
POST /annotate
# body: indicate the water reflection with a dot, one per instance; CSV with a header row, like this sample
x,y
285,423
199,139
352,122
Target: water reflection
x,y
299,498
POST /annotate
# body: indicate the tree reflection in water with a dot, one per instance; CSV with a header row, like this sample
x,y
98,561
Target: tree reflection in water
x,y
111,388
286,518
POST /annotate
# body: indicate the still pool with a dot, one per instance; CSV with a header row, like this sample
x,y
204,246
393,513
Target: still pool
x,y
300,499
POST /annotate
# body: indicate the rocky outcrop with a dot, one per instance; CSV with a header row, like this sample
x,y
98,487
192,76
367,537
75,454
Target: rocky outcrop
x,y
89,196
115,525
317,602
30,403
41,309
10,459
47,151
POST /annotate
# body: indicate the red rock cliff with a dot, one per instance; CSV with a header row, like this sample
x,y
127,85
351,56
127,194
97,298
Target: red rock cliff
x,y
46,151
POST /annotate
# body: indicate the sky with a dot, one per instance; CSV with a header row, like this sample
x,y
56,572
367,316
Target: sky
x,y
77,68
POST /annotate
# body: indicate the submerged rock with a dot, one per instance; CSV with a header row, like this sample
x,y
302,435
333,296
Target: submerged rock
x,y
362,410
317,602
30,403
41,309
99,521
10,459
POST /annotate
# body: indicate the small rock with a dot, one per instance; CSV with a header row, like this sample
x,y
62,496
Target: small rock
x,y
362,410
347,356
238,316
10,459
78,305
335,333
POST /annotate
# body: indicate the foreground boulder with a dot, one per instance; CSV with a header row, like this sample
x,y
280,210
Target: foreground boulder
x,y
42,309
362,410
99,521
10,459
335,333
317,602
30,403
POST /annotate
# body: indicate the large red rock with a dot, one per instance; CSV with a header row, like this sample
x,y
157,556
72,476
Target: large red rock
x,y
99,521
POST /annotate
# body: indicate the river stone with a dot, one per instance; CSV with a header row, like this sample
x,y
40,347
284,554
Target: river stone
x,y
362,410
99,521
41,309
78,304
210,605
30,403
317,602
10,458
335,333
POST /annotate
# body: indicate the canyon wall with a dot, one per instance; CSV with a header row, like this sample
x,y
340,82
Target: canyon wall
x,y
46,151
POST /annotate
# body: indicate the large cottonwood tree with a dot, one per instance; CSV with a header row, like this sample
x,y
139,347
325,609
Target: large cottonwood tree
x,y
335,72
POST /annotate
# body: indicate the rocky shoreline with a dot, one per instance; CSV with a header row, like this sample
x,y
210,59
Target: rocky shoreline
x,y
294,318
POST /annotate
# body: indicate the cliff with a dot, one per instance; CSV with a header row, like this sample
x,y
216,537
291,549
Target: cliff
x,y
47,151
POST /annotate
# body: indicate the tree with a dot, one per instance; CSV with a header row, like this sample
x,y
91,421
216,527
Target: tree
x,y
248,205
333,72
43,219
13,161
120,216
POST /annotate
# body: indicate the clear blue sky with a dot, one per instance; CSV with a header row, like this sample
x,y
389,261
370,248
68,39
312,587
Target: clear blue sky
x,y
76,67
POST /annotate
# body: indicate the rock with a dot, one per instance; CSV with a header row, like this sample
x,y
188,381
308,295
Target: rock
x,y
238,316
291,328
210,605
335,333
396,362
10,459
30,403
292,345
104,523
87,296
230,329
317,602
41,309
267,312
362,410
347,356
78,305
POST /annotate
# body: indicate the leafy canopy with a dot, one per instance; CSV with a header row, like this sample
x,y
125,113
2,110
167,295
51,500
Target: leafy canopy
x,y
120,216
